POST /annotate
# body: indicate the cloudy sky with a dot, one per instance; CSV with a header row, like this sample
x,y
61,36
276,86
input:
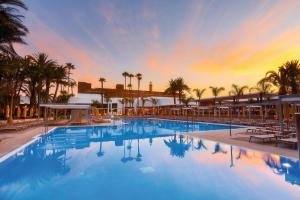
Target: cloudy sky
x,y
207,42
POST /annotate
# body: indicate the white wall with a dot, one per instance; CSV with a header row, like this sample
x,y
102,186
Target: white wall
x,y
88,98
81,98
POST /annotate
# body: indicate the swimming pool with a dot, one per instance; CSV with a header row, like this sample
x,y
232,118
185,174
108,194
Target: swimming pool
x,y
144,159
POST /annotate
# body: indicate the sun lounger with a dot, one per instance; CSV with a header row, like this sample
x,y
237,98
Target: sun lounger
x,y
12,128
265,137
100,120
290,141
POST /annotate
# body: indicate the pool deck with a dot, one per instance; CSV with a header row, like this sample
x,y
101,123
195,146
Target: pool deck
x,y
10,141
243,141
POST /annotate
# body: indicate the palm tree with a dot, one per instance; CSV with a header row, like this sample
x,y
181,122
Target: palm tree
x,y
238,91
59,78
262,86
69,67
139,78
172,89
144,100
154,101
72,85
130,78
40,76
12,76
181,87
216,91
102,80
64,97
278,79
186,100
12,29
129,86
123,101
95,103
125,75
46,68
177,86
199,93
287,79
293,74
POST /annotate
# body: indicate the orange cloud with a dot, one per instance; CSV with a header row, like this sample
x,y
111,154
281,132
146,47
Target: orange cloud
x,y
260,43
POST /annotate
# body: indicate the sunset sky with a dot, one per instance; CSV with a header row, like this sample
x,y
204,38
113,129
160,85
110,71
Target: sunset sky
x,y
206,42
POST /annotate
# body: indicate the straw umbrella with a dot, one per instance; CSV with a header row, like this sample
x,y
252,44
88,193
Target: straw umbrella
x,y
18,112
25,110
7,112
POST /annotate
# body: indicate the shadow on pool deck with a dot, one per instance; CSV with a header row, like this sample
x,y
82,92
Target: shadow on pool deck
x,y
238,140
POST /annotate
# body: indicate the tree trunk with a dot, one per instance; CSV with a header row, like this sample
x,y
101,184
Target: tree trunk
x,y
47,91
10,120
174,98
33,96
125,84
138,99
56,90
102,96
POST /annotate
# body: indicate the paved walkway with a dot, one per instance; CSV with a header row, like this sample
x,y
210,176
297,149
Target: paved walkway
x,y
10,141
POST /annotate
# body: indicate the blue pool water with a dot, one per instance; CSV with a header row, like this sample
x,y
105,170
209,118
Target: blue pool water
x,y
144,159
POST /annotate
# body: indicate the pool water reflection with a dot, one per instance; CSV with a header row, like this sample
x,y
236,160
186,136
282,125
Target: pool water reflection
x,y
144,159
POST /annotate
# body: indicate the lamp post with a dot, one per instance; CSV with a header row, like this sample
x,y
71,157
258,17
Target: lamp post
x,y
230,118
297,118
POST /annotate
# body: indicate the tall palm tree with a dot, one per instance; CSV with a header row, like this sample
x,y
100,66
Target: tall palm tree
x,y
237,91
125,75
130,78
45,68
172,89
216,91
129,86
69,66
59,78
72,85
12,29
102,80
199,93
139,78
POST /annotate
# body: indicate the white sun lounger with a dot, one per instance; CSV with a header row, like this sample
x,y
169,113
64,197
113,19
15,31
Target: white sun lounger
x,y
265,137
